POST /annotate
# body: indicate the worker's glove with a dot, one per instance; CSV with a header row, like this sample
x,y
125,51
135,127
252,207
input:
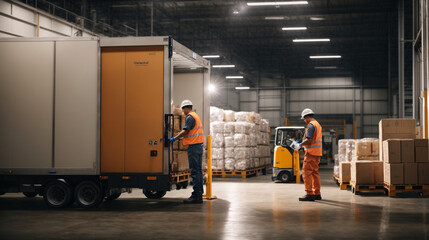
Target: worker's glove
x,y
173,139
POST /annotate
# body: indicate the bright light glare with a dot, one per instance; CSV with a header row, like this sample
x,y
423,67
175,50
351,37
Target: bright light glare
x,y
255,4
223,66
212,88
211,56
242,88
274,18
313,40
294,28
317,18
234,77
327,56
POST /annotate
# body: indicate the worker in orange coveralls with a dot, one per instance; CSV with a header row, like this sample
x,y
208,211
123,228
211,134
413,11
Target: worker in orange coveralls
x,y
312,144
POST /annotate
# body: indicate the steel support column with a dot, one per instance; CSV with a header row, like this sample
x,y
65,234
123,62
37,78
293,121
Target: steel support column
x,y
401,82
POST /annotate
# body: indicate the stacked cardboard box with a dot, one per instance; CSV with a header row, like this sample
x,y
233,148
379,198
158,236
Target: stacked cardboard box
x,y
366,168
240,140
180,154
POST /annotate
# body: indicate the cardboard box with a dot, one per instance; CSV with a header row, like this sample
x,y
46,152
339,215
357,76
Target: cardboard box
x,y
410,173
394,173
362,172
419,132
177,124
421,143
378,172
407,150
345,172
423,173
395,129
422,154
375,148
181,162
392,151
363,148
366,158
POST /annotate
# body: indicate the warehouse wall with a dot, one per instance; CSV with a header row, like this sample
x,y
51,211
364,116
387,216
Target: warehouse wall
x,y
338,98
20,20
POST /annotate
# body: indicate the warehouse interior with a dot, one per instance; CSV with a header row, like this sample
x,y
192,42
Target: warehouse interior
x,y
251,68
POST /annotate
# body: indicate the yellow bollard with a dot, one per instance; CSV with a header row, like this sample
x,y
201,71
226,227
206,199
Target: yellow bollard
x,y
208,194
296,164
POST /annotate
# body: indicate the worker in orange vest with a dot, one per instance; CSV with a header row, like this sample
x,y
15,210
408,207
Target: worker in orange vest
x,y
193,137
313,151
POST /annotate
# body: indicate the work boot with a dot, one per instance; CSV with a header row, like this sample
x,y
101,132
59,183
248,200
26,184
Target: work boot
x,y
307,198
317,197
193,200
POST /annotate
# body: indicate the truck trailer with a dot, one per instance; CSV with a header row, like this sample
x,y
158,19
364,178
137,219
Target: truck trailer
x,y
86,119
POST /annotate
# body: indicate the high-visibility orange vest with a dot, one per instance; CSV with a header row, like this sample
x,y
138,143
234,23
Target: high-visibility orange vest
x,y
195,135
315,146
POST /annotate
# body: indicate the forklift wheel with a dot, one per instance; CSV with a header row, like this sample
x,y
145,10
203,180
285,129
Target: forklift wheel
x,y
285,177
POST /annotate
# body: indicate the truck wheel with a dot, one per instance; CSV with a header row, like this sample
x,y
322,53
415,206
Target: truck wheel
x,y
57,194
152,194
112,196
30,194
88,194
285,177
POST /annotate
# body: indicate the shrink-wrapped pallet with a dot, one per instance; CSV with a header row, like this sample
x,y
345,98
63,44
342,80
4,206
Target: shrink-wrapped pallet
x,y
218,153
265,161
350,150
216,114
241,140
218,140
229,127
251,152
253,140
263,151
229,152
229,115
230,163
256,162
252,128
218,164
342,145
243,117
263,138
264,125
337,171
258,118
242,127
257,128
242,164
177,111
229,142
241,153
216,127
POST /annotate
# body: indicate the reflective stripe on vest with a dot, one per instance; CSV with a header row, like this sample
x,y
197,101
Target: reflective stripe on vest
x,y
315,146
195,135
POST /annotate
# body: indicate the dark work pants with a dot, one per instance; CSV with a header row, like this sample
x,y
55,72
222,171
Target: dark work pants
x,y
195,158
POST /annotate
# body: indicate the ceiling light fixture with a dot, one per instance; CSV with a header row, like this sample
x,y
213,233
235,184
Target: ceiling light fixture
x,y
256,4
326,67
242,88
274,18
327,56
313,40
234,77
294,28
223,66
236,12
211,56
317,18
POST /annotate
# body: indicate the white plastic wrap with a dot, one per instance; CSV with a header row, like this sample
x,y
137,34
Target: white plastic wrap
x,y
258,118
230,163
216,127
251,152
265,161
218,140
242,117
337,171
263,138
242,127
216,114
229,152
264,125
252,128
241,140
350,150
229,127
253,140
218,153
242,164
229,142
263,151
256,162
218,164
229,115
241,153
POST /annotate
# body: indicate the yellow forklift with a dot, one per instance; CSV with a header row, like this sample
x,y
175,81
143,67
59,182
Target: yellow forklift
x,y
286,162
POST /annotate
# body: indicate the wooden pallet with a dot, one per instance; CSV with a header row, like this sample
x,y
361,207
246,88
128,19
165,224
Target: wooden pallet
x,y
358,188
243,173
342,185
392,189
182,176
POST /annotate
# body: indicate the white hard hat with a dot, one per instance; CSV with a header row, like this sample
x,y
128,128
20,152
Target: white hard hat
x,y
306,112
186,103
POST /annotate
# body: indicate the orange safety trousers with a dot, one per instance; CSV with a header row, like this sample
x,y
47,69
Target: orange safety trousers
x,y
310,174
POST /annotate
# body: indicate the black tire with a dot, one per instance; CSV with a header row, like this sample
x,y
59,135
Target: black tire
x,y
112,196
152,194
285,177
30,194
57,194
88,194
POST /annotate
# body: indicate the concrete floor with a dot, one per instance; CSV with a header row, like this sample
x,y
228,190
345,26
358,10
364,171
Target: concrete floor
x,y
255,208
